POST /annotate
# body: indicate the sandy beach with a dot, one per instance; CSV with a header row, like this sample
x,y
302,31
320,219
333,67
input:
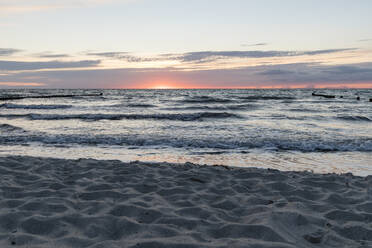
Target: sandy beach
x,y
93,203
185,124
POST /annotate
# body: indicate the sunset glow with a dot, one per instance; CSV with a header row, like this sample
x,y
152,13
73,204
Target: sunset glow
x,y
294,86
186,123
20,84
165,84
162,86
183,84
145,44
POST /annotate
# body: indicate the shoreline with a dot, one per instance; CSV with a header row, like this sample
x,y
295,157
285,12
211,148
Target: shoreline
x,y
49,202
318,163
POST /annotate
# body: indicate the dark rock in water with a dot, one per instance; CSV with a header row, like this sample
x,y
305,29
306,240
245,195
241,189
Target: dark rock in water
x,y
370,99
314,238
358,98
341,96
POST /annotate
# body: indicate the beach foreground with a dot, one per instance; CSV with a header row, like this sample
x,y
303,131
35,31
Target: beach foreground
x,y
92,203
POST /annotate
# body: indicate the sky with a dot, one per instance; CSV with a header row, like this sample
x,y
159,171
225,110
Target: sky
x,y
185,44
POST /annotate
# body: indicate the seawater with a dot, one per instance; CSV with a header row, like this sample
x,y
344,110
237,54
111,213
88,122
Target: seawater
x,y
281,129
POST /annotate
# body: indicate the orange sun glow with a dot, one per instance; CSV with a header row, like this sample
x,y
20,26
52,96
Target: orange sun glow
x,y
165,84
162,86
173,84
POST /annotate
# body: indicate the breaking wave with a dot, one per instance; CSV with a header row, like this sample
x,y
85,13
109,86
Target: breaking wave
x,y
9,128
278,144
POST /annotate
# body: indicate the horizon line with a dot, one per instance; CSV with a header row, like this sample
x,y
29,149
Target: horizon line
x,y
203,88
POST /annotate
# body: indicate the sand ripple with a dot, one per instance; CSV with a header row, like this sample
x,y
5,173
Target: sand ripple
x,y
90,203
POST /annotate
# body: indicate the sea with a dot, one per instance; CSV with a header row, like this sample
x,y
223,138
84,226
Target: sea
x,y
280,129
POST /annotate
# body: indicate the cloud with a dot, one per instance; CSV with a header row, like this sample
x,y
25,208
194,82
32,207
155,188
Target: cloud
x,y
210,56
126,56
276,72
47,55
326,51
312,72
286,75
21,65
108,54
257,44
22,6
8,51
347,69
207,56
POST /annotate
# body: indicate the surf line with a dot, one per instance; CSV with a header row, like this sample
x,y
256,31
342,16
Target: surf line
x,y
46,96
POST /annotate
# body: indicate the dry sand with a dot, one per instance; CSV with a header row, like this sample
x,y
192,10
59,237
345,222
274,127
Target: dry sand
x,y
92,203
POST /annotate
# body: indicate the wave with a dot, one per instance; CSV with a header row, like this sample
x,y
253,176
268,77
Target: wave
x,y
353,118
255,98
9,128
298,117
303,109
223,145
96,117
42,106
205,99
140,105
324,101
214,107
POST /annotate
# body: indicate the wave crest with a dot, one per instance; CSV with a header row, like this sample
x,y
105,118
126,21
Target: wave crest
x,y
205,99
9,128
233,144
354,118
